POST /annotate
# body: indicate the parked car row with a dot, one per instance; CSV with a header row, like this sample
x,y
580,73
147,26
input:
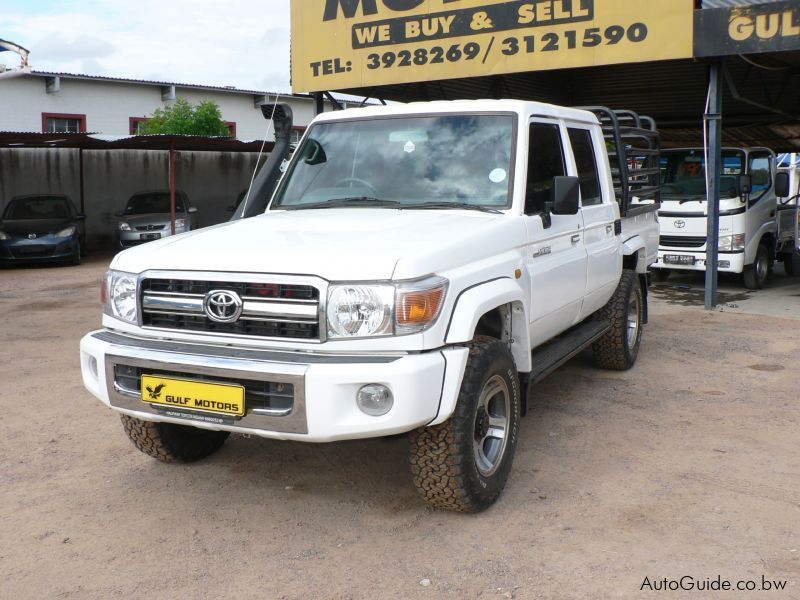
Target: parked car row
x,y
49,228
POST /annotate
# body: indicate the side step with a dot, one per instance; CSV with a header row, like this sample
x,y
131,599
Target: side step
x,y
549,357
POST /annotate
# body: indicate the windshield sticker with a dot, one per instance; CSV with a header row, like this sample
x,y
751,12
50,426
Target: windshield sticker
x,y
409,147
497,176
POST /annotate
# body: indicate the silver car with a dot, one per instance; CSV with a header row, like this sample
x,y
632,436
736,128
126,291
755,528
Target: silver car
x,y
147,217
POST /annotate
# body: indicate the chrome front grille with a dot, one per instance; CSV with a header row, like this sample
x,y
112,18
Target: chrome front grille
x,y
269,310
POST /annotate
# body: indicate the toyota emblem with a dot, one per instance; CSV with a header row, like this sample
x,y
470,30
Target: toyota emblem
x,y
222,306
31,236
679,224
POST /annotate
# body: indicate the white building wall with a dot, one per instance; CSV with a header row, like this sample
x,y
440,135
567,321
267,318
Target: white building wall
x,y
108,106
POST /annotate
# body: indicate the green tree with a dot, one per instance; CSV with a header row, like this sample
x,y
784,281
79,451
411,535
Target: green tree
x,y
184,118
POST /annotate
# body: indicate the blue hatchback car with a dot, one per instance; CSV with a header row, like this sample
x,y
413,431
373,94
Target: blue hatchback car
x,y
42,227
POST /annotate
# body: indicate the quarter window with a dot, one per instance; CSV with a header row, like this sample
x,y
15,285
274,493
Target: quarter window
x,y
545,161
585,160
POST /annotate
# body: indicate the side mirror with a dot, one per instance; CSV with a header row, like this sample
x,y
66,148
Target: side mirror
x,y
782,185
745,184
565,195
119,213
192,210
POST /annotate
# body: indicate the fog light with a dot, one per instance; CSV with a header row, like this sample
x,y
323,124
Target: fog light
x,y
375,399
724,264
93,367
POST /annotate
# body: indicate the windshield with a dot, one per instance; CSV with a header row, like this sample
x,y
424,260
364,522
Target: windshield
x,y
38,207
157,202
403,163
683,174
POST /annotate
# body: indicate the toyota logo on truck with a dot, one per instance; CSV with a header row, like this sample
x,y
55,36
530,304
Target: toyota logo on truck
x,y
679,224
222,306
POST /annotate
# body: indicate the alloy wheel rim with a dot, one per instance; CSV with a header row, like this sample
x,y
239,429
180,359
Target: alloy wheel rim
x,y
633,321
491,425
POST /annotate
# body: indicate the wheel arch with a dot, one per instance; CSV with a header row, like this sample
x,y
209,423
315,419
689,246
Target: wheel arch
x,y
497,308
634,254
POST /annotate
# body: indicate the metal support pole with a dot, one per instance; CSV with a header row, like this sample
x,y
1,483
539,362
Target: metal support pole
x,y
80,180
319,103
172,187
713,118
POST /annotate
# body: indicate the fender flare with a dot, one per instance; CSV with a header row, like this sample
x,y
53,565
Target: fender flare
x,y
474,302
632,246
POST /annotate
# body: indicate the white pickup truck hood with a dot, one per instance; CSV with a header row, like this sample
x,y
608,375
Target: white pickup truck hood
x,y
337,244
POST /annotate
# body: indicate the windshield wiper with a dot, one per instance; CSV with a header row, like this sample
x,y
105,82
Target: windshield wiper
x,y
363,201
693,198
464,205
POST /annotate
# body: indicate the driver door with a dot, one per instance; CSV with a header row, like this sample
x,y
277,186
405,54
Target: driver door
x,y
555,256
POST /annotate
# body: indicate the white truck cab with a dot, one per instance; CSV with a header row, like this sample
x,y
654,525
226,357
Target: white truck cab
x,y
417,268
751,236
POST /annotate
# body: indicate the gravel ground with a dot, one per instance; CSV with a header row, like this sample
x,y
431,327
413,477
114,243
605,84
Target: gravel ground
x,y
685,465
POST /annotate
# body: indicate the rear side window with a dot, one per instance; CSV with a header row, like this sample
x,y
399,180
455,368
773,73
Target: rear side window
x,y
545,161
582,148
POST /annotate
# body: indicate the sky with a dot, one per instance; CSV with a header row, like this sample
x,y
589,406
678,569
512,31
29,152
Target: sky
x,y
244,43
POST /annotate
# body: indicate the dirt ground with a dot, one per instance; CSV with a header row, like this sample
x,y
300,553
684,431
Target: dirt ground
x,y
686,465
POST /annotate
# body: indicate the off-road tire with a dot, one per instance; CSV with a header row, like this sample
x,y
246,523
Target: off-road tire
x,y
171,443
443,457
613,350
660,275
755,275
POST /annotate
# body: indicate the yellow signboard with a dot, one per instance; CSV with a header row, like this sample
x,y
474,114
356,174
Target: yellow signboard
x,y
345,44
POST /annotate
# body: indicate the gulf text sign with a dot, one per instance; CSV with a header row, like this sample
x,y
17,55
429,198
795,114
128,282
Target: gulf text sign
x,y
339,44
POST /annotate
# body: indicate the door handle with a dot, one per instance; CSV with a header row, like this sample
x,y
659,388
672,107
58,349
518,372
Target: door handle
x,y
576,238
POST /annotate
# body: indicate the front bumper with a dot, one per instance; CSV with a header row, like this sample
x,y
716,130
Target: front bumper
x,y
129,239
44,248
729,262
424,385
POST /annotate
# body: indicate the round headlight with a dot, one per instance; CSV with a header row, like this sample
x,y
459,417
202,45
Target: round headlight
x,y
123,297
360,310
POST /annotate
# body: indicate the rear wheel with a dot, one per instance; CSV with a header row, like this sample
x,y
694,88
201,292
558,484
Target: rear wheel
x,y
791,263
172,443
618,349
463,464
755,275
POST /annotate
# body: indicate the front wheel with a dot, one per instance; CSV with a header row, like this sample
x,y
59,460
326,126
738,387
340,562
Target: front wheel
x,y
463,464
755,275
618,349
170,443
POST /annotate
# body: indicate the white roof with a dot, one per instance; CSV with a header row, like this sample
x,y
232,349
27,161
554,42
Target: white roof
x,y
521,107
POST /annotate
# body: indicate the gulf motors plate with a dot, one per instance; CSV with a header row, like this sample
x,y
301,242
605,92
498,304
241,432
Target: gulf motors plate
x,y
679,259
218,398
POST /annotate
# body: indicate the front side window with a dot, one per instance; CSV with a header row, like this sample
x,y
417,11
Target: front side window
x,y
761,174
586,162
404,162
545,161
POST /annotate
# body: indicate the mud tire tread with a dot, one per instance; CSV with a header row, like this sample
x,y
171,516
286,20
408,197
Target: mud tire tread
x,y
611,351
442,457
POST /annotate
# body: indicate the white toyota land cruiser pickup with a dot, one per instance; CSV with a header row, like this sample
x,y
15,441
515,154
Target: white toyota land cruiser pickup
x,y
414,270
